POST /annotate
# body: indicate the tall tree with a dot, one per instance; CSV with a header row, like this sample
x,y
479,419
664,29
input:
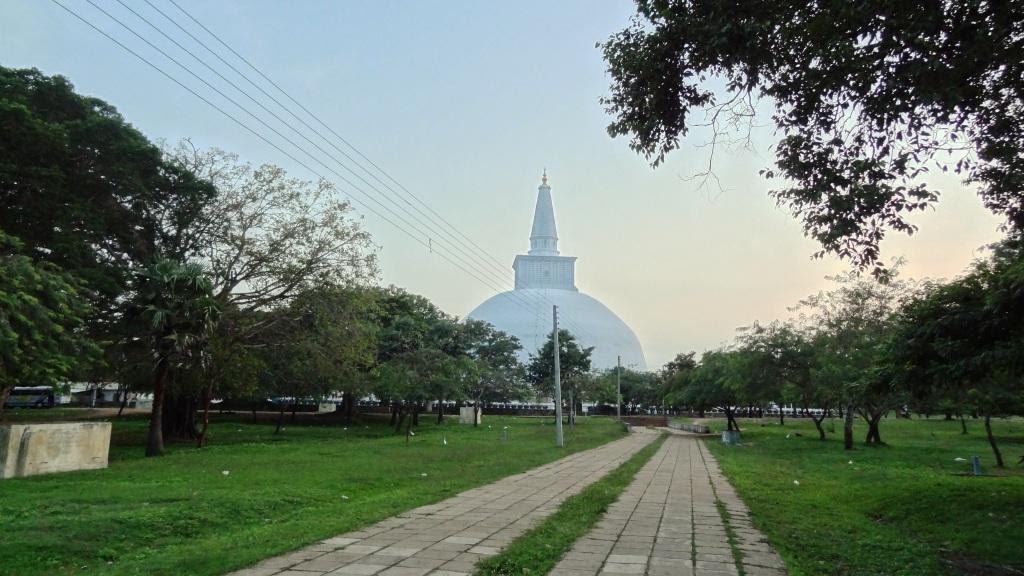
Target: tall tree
x,y
42,322
574,363
867,96
175,306
775,361
416,342
964,339
86,191
713,385
265,239
674,376
498,376
852,324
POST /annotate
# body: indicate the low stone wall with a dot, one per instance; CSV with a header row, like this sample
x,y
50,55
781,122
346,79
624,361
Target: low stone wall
x,y
695,428
30,449
655,421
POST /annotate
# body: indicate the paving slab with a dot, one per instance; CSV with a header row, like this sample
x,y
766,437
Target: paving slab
x,y
448,538
667,523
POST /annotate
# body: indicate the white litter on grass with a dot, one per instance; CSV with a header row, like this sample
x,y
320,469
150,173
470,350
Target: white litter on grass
x,y
787,435
797,482
343,497
424,474
225,472
505,428
444,440
411,433
850,462
959,459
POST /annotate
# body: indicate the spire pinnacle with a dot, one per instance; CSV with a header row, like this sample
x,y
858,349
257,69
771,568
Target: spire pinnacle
x,y
543,236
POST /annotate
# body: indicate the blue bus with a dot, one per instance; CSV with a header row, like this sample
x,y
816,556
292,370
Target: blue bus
x,y
30,397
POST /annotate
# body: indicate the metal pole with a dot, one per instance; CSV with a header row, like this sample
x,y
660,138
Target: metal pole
x,y
559,441
618,387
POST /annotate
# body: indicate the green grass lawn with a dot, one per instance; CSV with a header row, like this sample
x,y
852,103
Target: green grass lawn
x,y
904,508
252,494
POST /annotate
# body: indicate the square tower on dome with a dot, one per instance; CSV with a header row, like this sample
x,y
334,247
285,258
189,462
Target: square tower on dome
x,y
557,272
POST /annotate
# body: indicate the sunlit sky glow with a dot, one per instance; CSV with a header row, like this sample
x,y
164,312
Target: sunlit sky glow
x,y
464,103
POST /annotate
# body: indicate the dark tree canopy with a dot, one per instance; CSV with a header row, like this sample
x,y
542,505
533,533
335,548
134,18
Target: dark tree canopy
x,y
573,363
84,189
42,320
867,96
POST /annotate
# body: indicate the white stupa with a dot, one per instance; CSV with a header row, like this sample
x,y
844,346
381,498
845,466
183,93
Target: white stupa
x,y
545,278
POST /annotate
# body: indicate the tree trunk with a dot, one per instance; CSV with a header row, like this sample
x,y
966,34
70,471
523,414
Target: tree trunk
x,y
207,398
992,442
280,418
817,424
179,418
395,409
408,425
155,440
476,412
572,411
963,424
847,427
5,393
874,437
416,414
782,416
349,407
124,402
400,418
295,406
730,420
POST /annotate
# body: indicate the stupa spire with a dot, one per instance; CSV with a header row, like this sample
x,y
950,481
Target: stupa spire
x,y
544,236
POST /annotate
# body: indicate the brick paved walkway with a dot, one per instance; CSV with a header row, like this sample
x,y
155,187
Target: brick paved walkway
x,y
667,523
448,538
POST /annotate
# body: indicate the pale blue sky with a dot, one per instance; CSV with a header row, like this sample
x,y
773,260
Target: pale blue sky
x,y
465,103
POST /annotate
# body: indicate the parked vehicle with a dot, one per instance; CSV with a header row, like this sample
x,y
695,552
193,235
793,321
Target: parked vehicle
x,y
30,397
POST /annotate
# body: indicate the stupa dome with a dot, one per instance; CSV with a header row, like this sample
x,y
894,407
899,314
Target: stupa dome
x,y
544,279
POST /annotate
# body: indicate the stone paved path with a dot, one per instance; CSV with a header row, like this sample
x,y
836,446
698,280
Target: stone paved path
x,y
449,537
668,523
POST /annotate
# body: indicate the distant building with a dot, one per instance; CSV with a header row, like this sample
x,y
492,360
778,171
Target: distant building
x,y
545,278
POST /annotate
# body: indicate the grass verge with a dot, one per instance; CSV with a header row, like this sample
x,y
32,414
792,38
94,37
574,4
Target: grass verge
x,y
537,551
252,494
905,508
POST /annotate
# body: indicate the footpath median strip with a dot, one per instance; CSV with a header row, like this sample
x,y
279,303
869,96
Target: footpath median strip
x,y
537,551
668,523
449,538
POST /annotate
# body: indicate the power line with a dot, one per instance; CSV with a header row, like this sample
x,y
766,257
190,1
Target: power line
x,y
255,133
428,244
315,118
325,125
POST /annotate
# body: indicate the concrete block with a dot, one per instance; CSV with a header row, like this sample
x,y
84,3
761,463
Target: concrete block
x,y
466,415
30,449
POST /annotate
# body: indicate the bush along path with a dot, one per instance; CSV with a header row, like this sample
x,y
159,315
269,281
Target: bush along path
x,y
678,517
451,536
